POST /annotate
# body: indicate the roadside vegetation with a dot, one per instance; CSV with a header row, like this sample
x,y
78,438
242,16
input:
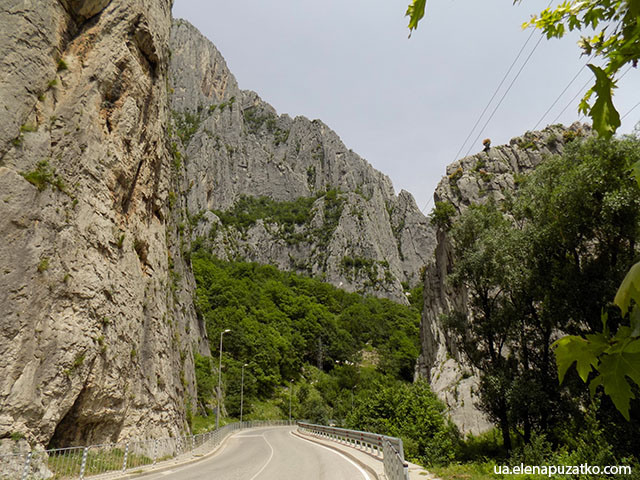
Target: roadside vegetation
x,y
287,326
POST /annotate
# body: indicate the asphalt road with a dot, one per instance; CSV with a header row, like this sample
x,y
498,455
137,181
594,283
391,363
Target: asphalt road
x,y
272,453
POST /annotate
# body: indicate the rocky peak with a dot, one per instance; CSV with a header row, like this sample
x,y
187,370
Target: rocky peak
x,y
356,234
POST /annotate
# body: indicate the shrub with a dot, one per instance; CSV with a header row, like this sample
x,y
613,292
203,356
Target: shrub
x,y
43,265
442,215
42,176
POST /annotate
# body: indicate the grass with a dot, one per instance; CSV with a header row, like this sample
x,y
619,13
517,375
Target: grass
x,y
28,128
466,471
43,176
43,266
68,465
201,424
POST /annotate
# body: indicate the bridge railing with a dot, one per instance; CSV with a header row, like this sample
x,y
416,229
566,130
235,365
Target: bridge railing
x,y
86,461
390,449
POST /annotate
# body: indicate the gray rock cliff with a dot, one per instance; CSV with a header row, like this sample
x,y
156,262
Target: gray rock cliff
x,y
491,174
233,145
98,326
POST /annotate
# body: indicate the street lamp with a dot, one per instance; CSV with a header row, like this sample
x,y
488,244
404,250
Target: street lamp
x,y
290,394
220,379
242,390
352,389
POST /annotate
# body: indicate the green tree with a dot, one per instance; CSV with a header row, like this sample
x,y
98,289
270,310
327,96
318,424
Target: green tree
x,y
412,412
548,263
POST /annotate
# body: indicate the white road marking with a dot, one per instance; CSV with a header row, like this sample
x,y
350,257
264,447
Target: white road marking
x,y
360,469
270,457
167,472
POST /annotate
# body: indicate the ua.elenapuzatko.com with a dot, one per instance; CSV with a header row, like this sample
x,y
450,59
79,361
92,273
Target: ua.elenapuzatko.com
x,y
552,470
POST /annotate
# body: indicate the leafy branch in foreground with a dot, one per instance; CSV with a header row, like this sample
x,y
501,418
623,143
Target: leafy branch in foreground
x,y
615,39
614,358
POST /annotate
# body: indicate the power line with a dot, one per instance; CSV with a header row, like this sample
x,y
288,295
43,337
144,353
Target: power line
x,y
562,93
494,94
505,94
572,100
580,92
632,109
427,204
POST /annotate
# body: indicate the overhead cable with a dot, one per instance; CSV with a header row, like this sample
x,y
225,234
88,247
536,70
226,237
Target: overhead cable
x,y
632,109
505,94
494,94
562,93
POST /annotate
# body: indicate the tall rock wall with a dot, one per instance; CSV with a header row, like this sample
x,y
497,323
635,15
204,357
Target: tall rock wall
x,y
491,174
231,144
97,327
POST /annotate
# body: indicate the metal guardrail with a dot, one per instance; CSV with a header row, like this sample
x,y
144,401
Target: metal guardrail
x,y
82,462
390,449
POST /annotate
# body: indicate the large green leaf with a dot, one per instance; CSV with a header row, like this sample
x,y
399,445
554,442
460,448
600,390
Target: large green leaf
x,y
606,118
614,369
584,352
415,12
635,321
629,289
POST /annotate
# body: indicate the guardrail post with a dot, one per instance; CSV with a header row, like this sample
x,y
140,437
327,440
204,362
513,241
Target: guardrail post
x,y
126,454
83,465
155,451
25,470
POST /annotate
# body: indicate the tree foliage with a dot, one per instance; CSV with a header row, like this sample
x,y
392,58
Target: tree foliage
x,y
413,413
549,261
285,326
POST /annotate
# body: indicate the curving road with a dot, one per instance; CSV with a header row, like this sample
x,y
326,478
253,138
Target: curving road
x,y
272,453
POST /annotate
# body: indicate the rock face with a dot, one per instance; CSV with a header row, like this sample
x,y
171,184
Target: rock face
x,y
98,327
353,230
475,179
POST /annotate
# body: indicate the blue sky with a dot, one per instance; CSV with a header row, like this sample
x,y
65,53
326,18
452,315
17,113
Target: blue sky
x,y
406,105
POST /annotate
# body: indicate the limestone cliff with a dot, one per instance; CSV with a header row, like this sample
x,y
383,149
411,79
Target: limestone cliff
x,y
474,179
352,230
98,326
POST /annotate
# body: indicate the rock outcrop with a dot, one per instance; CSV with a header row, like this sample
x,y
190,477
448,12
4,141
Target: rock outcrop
x,y
98,326
233,145
491,174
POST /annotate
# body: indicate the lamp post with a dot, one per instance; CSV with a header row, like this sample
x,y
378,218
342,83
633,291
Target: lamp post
x,y
352,389
220,379
290,395
242,390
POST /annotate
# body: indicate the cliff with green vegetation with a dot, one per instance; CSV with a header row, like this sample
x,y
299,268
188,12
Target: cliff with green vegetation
x,y
98,327
127,140
493,175
285,191
517,268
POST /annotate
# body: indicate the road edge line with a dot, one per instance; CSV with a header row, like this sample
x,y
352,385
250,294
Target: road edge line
x,y
346,454
164,468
